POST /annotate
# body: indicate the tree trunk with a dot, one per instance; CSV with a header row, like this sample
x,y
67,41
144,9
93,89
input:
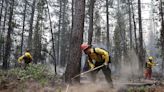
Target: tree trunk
x,y
24,19
31,26
90,31
71,30
37,45
141,50
1,15
130,23
73,3
3,29
73,66
121,23
97,23
162,34
107,17
52,37
135,32
63,42
59,29
1,33
8,38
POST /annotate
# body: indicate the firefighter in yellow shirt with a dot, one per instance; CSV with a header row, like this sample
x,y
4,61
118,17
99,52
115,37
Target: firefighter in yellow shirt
x,y
27,58
148,68
97,57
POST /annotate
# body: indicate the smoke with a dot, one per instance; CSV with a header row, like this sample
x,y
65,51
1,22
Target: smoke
x,y
93,87
129,71
100,45
130,66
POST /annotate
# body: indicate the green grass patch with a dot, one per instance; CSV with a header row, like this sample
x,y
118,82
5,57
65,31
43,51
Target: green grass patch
x,y
39,73
138,89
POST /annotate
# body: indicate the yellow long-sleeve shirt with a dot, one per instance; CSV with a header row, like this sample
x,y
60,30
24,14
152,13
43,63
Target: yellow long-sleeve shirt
x,y
150,64
98,56
27,55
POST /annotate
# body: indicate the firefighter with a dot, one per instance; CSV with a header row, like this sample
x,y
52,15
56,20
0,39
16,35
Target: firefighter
x,y
27,58
97,57
148,67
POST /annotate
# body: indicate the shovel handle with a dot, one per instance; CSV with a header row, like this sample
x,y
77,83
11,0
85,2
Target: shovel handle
x,y
88,71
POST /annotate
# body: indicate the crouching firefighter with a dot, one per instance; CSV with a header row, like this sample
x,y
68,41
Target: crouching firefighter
x,y
27,58
98,57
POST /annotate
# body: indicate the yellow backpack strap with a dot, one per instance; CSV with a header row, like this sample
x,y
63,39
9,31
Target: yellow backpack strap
x,y
100,56
90,59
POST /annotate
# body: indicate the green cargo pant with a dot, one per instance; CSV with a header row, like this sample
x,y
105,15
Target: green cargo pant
x,y
106,70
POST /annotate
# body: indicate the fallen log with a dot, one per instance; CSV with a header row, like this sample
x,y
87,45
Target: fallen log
x,y
137,84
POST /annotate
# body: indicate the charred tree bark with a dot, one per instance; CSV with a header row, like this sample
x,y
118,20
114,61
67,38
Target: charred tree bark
x,y
8,38
73,66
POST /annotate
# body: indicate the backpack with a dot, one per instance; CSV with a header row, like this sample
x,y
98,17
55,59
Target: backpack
x,y
101,55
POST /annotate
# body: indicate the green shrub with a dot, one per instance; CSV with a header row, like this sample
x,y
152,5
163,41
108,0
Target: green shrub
x,y
142,89
38,72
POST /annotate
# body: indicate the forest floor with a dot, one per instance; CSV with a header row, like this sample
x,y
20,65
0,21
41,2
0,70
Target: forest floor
x,y
37,79
34,86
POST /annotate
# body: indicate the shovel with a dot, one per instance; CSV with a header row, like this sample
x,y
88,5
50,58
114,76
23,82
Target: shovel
x,y
88,71
84,73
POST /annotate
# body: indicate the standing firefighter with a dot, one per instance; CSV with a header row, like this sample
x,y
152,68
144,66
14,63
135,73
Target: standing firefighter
x,y
148,68
27,58
98,57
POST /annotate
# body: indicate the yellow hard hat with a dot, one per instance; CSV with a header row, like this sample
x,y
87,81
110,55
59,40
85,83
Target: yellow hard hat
x,y
150,58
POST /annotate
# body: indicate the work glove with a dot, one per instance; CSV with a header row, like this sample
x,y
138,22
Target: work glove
x,y
92,66
106,65
19,63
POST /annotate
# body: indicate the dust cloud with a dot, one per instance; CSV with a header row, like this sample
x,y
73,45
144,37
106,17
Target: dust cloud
x,y
128,73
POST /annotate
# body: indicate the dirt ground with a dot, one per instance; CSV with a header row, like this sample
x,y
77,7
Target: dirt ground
x,y
11,85
104,88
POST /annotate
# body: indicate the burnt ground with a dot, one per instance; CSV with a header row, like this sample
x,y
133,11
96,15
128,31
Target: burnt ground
x,y
16,85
